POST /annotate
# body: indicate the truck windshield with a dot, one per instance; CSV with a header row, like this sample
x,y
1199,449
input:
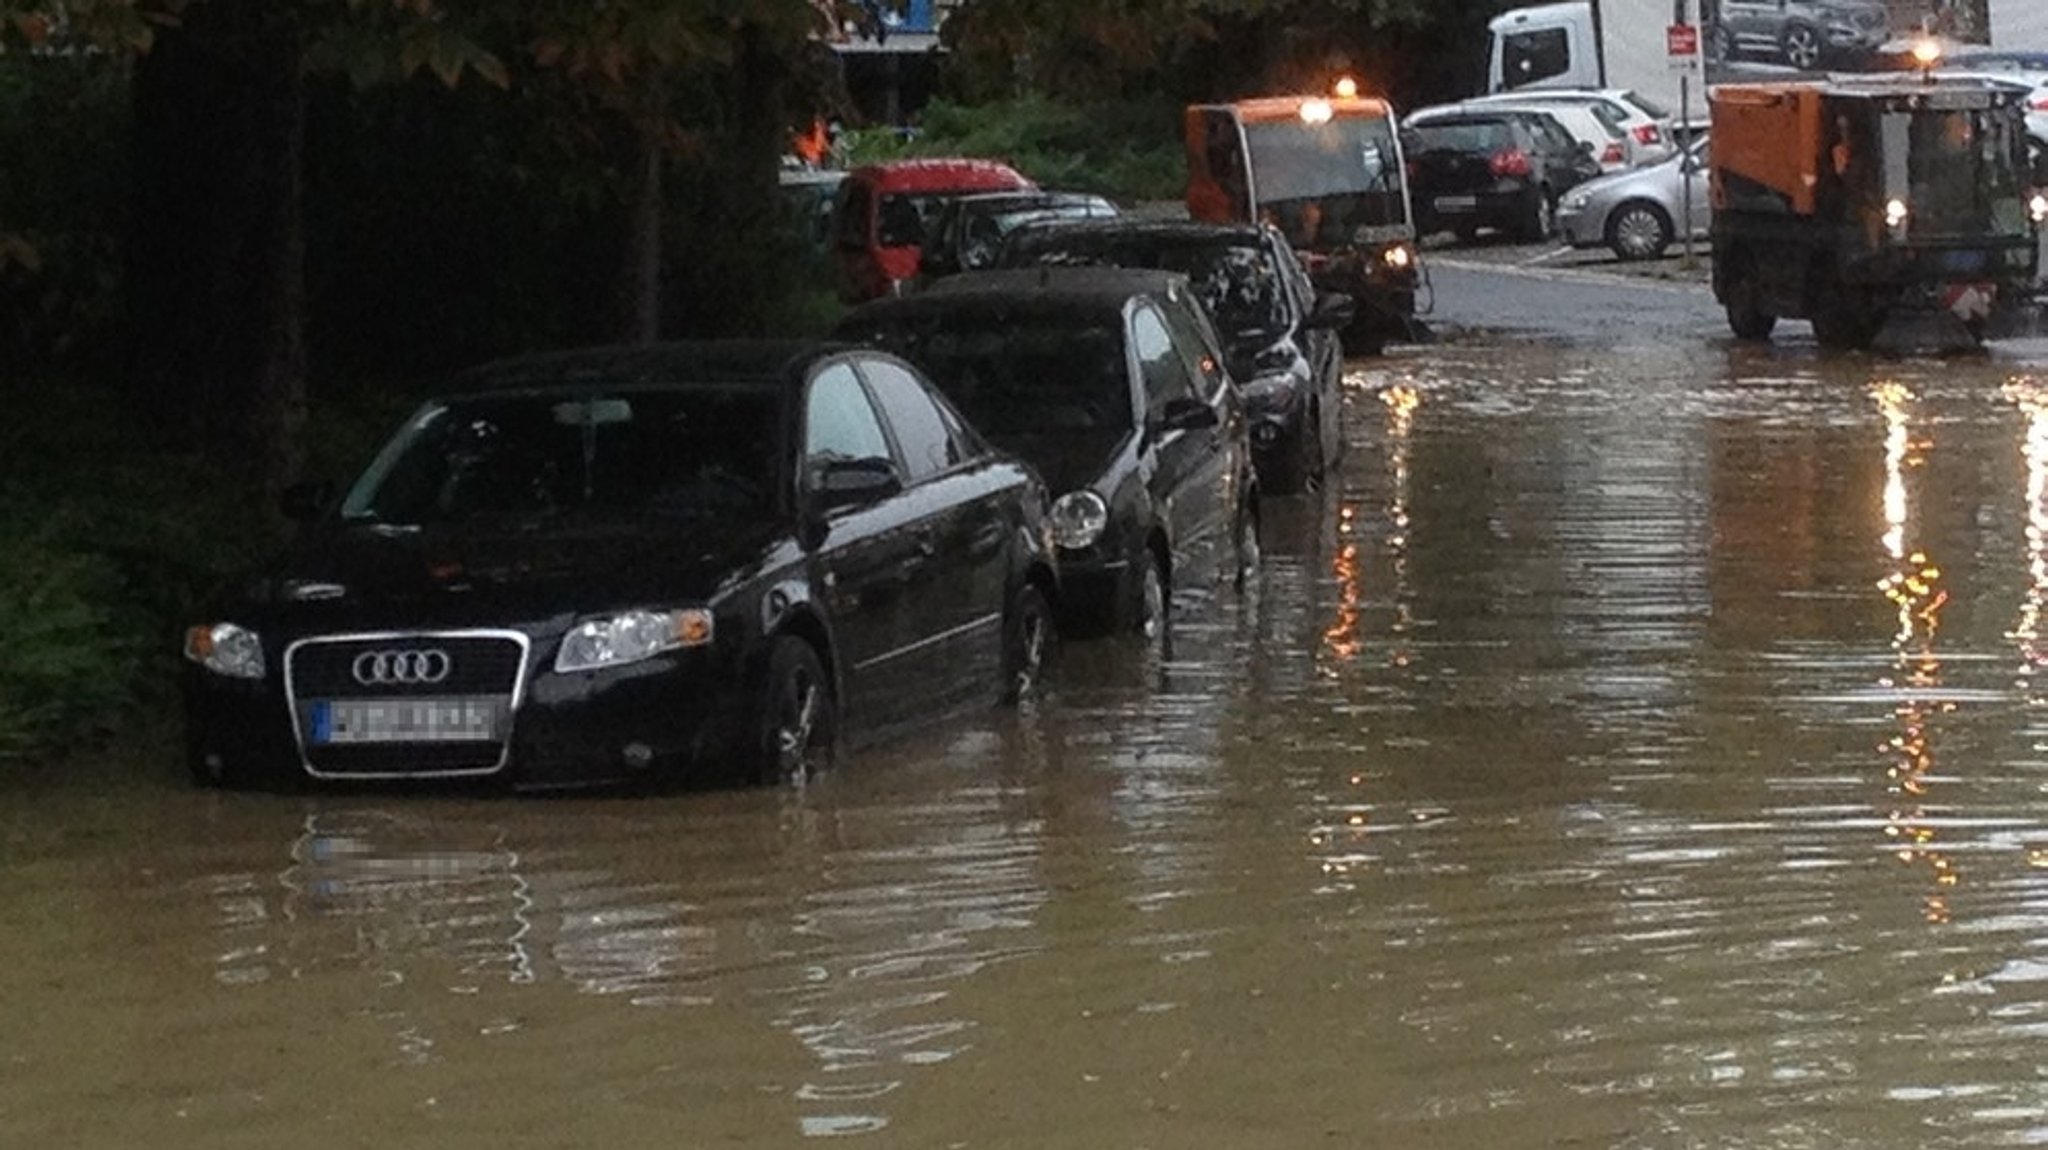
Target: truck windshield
x,y
1964,171
1347,169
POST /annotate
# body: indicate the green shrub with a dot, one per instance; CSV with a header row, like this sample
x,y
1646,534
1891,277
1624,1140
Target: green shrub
x,y
68,657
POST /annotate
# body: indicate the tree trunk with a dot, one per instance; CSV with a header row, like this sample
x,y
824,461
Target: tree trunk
x,y
641,310
216,272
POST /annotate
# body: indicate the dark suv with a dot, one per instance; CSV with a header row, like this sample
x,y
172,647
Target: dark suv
x,y
1473,168
1112,384
1803,34
1279,333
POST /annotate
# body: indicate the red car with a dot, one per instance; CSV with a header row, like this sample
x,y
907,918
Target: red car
x,y
880,216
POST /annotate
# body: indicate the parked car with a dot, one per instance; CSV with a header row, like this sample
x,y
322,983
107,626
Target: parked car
x,y
1647,130
807,198
882,211
1603,140
968,231
1493,168
1636,213
1112,383
1280,335
717,558
2029,68
1801,34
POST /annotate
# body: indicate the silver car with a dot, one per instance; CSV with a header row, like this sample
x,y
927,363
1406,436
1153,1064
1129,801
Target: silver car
x,y
1634,212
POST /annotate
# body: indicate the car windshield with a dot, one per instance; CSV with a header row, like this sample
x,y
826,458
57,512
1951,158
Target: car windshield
x,y
1963,171
533,455
1022,376
1238,283
1348,166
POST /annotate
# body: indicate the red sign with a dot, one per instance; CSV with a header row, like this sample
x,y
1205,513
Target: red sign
x,y
1682,40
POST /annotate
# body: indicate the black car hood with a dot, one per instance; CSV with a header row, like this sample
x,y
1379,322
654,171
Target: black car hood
x,y
477,575
1067,460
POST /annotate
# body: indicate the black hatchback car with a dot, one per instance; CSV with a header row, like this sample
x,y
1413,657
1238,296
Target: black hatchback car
x,y
724,557
1112,384
1280,335
1472,168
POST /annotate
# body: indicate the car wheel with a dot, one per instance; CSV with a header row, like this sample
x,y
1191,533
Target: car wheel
x,y
1743,299
1639,231
1028,639
1246,552
1155,607
1539,217
1802,47
798,726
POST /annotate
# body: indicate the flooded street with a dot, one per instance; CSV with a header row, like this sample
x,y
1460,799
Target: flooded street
x,y
1643,743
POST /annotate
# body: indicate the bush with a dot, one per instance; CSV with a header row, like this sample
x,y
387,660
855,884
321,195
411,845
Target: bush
x,y
1128,151
67,659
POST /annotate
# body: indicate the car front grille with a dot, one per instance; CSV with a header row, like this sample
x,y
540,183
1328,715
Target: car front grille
x,y
480,669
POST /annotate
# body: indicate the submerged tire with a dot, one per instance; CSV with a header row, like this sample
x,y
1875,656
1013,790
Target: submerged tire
x,y
1742,298
797,724
1029,640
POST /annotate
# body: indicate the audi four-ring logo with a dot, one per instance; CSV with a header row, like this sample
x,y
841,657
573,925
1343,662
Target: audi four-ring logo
x,y
384,668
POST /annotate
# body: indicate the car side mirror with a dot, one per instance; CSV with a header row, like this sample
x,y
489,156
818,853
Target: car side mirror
x,y
308,501
854,483
1332,310
1186,414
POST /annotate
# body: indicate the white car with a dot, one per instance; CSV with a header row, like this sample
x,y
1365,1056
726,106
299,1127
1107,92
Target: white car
x,y
1646,128
2019,67
1608,143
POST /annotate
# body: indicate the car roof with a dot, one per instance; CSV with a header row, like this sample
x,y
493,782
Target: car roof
x,y
940,174
714,361
1128,227
1096,293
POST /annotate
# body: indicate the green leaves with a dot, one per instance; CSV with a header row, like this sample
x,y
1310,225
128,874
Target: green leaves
x,y
116,26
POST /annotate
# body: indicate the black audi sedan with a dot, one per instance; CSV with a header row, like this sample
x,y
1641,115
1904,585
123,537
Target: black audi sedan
x,y
723,558
1280,335
1113,385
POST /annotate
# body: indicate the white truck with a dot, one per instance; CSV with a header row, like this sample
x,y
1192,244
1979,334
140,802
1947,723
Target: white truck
x,y
1627,43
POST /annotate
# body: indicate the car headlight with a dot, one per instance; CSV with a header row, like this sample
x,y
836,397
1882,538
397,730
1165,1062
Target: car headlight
x,y
1271,391
631,636
2037,208
225,649
1078,519
1575,200
1398,257
1896,213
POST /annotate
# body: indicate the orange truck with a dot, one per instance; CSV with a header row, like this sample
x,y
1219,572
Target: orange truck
x,y
1328,171
1863,204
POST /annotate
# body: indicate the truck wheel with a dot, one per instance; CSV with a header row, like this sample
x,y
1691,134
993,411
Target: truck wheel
x,y
1802,47
1743,298
1638,230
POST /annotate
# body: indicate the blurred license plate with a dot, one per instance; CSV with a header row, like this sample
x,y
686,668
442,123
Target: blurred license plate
x,y
1456,203
405,721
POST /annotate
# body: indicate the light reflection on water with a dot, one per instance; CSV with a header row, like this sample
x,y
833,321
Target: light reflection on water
x,y
1623,752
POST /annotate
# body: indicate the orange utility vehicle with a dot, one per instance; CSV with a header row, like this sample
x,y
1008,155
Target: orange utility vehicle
x,y
1870,205
1328,171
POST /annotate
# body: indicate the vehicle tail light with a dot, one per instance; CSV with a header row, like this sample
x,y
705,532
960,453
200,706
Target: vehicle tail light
x,y
1613,155
1647,134
2041,102
1512,162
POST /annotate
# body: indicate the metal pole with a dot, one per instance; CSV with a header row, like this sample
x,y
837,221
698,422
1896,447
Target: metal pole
x,y
1686,260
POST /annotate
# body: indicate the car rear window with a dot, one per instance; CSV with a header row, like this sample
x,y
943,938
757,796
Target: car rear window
x,y
1022,376
1646,106
1463,136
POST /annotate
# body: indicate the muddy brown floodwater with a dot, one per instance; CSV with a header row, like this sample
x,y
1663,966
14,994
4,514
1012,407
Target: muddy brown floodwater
x,y
1639,748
